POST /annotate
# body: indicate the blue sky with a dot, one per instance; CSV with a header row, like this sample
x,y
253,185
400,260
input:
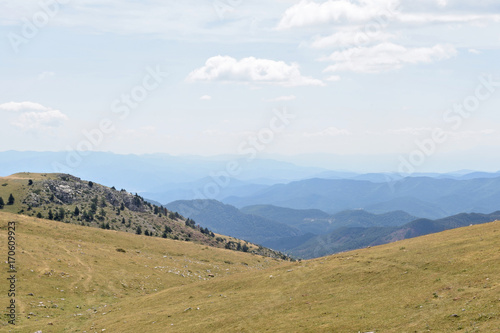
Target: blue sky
x,y
361,78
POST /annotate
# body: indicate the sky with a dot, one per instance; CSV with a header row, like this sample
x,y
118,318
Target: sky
x,y
414,82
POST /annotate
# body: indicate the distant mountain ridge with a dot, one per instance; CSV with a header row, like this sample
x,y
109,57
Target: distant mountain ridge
x,y
165,178
318,222
229,220
314,233
153,173
418,196
345,239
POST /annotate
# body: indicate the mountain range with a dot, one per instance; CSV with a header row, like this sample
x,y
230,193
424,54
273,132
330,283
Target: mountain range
x,y
165,178
419,196
313,233
345,239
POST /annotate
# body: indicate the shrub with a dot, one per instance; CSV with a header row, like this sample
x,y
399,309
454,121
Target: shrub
x,y
11,200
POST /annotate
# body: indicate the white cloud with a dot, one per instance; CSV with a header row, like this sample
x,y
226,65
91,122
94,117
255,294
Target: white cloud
x,y
386,56
310,13
330,131
351,38
429,18
41,120
251,70
474,51
34,115
206,97
283,98
22,106
307,13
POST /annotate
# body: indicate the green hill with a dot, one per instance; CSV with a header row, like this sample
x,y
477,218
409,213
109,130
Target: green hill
x,y
69,199
76,279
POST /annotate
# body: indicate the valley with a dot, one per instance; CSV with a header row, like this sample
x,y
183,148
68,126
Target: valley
x,y
76,279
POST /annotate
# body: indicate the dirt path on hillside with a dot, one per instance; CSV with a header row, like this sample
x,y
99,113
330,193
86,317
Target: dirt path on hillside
x,y
86,273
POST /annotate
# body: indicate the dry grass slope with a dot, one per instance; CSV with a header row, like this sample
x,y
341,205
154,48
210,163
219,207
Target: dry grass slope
x,y
444,282
76,273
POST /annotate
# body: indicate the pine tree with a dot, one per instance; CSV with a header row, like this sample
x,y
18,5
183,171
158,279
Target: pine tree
x,y
51,215
77,211
138,230
11,200
1,203
146,233
61,214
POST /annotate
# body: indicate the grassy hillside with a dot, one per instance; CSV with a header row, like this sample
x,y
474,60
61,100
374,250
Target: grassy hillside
x,y
69,199
93,280
77,274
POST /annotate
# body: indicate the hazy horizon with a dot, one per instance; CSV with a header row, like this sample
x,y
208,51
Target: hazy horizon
x,y
371,85
339,163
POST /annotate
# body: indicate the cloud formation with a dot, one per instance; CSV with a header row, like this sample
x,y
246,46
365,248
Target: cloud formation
x,y
346,38
251,70
309,13
22,106
34,115
386,56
